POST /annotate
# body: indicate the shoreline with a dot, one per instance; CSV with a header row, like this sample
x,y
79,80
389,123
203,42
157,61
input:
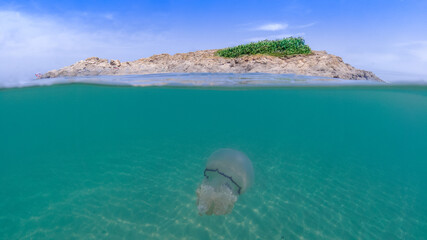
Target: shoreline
x,y
203,80
180,80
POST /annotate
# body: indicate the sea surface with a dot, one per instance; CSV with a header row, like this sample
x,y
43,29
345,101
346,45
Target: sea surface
x,y
81,161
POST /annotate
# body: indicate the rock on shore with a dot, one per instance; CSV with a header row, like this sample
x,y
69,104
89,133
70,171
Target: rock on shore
x,y
319,63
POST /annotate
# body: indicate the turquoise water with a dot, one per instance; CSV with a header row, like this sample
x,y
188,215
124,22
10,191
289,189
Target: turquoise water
x,y
101,162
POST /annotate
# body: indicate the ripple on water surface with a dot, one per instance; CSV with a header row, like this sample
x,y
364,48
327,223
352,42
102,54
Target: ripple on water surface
x,y
193,79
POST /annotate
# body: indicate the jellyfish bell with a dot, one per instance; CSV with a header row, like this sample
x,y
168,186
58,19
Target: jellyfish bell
x,y
228,174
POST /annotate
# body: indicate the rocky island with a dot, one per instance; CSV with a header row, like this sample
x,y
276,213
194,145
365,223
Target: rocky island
x,y
305,62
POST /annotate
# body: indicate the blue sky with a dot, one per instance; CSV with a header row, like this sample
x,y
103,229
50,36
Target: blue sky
x,y
387,37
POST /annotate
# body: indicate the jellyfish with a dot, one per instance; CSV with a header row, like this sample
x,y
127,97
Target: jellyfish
x,y
228,174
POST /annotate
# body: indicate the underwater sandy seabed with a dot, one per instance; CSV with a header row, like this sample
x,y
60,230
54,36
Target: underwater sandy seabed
x,y
91,162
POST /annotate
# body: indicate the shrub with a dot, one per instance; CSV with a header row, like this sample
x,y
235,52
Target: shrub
x,y
280,48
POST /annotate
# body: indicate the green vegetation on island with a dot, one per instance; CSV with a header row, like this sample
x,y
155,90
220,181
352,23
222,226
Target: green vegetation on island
x,y
279,48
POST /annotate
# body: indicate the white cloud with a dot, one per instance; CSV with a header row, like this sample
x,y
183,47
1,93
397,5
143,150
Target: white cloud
x,y
411,43
274,37
421,54
30,44
305,25
374,57
272,27
108,16
417,49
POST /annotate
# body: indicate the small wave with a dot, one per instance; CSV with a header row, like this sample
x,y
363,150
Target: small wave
x,y
193,80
